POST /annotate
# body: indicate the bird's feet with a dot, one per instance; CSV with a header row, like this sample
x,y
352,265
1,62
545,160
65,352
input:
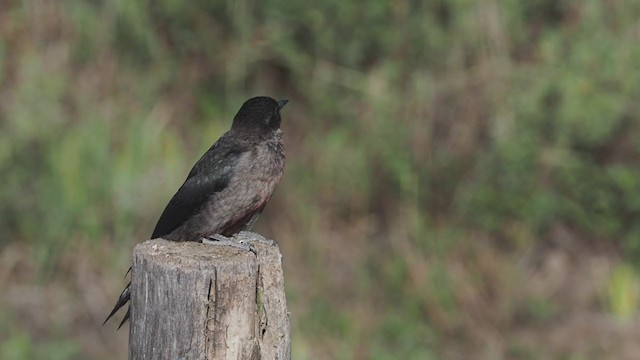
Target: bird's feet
x,y
245,236
240,240
218,239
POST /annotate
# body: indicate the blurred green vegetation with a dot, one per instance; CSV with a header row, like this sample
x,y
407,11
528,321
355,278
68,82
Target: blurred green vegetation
x,y
432,146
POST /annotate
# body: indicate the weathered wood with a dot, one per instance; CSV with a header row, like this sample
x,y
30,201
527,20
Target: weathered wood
x,y
199,301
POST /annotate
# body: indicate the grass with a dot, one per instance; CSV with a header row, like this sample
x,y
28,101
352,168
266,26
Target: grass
x,y
461,177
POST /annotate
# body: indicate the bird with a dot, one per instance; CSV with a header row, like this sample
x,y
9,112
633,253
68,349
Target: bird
x,y
229,186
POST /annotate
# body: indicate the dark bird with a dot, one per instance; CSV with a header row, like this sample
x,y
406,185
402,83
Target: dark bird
x,y
227,189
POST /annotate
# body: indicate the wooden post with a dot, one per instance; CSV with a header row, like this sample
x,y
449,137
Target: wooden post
x,y
199,301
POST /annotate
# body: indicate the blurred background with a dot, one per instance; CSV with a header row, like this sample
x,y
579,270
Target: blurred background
x,y
463,177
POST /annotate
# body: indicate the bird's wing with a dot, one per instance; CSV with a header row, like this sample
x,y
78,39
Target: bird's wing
x,y
209,175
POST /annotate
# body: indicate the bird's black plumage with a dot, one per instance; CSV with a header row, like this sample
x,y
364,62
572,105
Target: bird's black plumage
x,y
218,164
228,187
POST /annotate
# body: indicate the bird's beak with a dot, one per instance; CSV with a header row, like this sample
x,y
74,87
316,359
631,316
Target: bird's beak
x,y
282,103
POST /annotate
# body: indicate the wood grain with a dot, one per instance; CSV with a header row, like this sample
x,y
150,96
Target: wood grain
x,y
198,301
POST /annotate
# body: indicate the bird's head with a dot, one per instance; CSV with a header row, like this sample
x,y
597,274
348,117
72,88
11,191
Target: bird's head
x,y
260,113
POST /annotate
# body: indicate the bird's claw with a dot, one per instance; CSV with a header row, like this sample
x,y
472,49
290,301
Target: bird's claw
x,y
251,236
241,240
218,239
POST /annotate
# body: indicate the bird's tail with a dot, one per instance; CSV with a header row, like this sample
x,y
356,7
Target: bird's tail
x,y
122,300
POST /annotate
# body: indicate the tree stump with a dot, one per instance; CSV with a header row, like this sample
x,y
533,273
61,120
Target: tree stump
x,y
198,301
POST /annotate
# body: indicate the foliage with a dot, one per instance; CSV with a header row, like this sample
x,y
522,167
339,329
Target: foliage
x,y
430,144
